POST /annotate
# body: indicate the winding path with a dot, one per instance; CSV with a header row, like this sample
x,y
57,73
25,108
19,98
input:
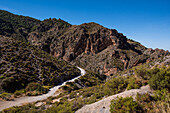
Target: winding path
x,y
22,100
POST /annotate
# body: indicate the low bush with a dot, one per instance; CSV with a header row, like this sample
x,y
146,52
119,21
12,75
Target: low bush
x,y
29,108
125,105
158,103
19,92
5,96
35,89
160,78
141,72
133,84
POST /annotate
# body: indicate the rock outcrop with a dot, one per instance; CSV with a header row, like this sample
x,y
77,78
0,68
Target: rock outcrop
x,y
88,45
103,106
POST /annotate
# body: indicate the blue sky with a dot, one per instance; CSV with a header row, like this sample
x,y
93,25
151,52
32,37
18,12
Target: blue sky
x,y
146,21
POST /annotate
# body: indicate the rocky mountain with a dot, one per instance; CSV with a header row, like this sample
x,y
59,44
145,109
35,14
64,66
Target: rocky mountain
x,y
22,63
88,45
35,55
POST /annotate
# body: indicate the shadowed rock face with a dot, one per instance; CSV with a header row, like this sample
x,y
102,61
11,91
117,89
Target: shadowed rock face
x,y
88,45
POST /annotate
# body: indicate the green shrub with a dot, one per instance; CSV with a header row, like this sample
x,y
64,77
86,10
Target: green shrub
x,y
33,86
2,77
158,103
161,95
29,108
160,79
73,94
35,89
19,92
61,108
125,105
5,96
141,71
116,85
144,98
133,84
47,87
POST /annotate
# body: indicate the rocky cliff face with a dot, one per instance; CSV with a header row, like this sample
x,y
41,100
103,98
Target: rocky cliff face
x,y
88,45
100,49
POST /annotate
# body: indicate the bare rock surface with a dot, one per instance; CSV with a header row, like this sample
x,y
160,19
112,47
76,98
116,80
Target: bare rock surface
x,y
103,105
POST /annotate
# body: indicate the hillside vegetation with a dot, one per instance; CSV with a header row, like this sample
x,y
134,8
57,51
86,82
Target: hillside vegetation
x,y
21,64
70,101
158,79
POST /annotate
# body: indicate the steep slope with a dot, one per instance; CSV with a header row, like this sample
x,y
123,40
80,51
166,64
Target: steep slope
x,y
15,25
96,48
21,27
88,45
21,64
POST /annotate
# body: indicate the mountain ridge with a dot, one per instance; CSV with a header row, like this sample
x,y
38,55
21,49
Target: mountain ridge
x,y
88,45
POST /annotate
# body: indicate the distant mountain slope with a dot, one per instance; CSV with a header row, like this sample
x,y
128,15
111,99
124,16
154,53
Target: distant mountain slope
x,y
19,27
88,45
21,63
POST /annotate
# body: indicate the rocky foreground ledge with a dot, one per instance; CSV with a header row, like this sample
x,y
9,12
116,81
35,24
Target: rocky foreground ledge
x,y
103,106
